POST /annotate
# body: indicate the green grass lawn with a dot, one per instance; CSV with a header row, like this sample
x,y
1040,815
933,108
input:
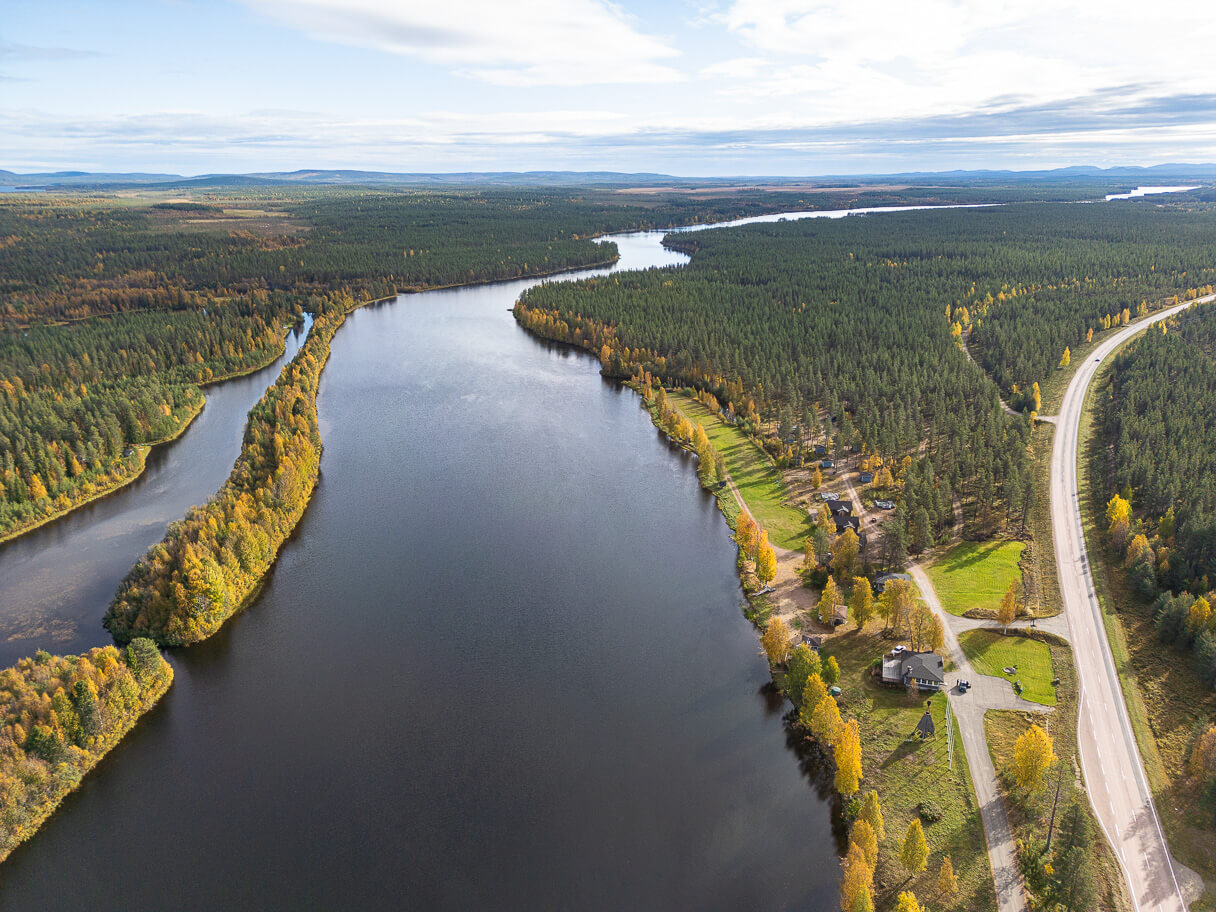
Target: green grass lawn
x,y
976,575
755,475
912,776
991,652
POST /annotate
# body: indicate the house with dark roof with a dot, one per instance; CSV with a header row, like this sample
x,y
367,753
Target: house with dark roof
x,y
903,668
880,582
844,521
866,477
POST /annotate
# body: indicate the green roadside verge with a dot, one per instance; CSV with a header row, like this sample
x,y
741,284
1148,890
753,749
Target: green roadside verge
x,y
1030,813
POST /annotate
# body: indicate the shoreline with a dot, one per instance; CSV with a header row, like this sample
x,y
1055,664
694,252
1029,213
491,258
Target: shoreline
x,y
872,710
44,811
143,450
422,289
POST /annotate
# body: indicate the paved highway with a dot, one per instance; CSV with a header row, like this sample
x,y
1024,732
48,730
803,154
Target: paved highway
x,y
1110,758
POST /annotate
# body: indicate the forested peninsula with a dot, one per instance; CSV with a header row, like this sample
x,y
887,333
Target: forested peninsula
x,y
210,563
61,714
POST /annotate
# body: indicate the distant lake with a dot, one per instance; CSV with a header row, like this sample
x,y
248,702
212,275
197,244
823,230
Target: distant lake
x,y
1149,191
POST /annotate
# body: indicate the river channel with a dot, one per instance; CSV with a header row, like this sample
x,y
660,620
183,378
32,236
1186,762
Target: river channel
x,y
501,664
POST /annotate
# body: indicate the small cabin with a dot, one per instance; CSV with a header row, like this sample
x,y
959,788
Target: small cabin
x,y
826,464
925,727
820,450
885,504
866,477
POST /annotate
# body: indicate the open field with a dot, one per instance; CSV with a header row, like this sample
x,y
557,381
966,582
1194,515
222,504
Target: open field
x,y
974,576
757,478
991,652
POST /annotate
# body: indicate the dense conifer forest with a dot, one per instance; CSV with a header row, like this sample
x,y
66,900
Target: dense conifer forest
x,y
1156,416
192,291
1044,277
847,331
66,258
60,715
75,400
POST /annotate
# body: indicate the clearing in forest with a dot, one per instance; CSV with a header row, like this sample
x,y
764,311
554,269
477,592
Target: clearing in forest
x,y
976,575
754,474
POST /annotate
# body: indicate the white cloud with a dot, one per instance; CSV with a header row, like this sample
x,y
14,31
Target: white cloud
x,y
1091,130
510,42
866,59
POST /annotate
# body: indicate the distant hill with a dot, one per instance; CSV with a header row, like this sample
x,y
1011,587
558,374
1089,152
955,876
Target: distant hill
x,y
600,179
83,179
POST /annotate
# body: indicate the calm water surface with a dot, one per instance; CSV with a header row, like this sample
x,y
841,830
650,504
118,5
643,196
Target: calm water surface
x,y
501,665
56,581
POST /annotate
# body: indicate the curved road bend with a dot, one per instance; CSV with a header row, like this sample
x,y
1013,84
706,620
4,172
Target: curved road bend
x,y
1110,758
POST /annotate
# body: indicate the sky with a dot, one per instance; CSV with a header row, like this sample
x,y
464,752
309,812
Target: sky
x,y
721,87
